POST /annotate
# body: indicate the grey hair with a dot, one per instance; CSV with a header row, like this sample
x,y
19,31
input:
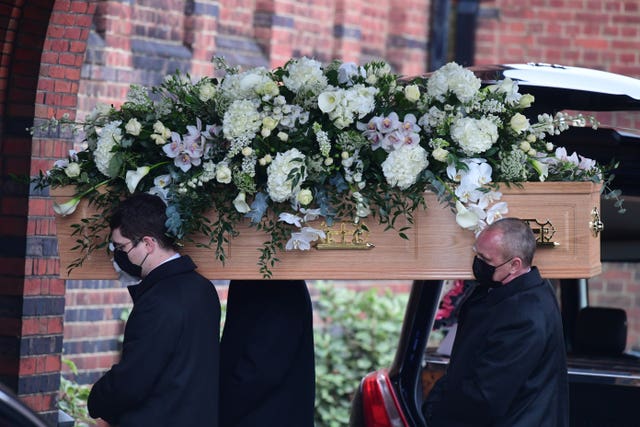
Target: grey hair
x,y
517,239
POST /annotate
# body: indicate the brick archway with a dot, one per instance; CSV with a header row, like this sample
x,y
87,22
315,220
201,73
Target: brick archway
x,y
43,46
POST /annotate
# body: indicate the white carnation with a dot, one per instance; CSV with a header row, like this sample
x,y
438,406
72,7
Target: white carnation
x,y
403,165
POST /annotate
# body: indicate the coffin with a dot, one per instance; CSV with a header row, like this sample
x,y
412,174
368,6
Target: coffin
x,y
563,215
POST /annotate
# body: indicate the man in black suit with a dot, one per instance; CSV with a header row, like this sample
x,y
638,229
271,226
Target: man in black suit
x,y
169,371
508,364
267,373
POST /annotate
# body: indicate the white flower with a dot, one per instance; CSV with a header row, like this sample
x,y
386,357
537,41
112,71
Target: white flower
x,y
133,177
474,136
133,127
206,92
283,136
72,170
240,203
496,212
305,196
279,185
347,71
329,100
526,100
241,119
465,218
290,218
304,75
108,138
66,208
223,173
440,154
403,165
412,93
455,79
519,123
302,240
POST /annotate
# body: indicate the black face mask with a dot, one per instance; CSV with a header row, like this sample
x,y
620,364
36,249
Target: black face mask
x,y
122,259
483,272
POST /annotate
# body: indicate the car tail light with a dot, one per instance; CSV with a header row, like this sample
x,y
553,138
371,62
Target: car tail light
x,y
379,403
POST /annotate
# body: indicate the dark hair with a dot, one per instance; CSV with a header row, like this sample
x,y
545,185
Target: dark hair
x,y
517,239
142,215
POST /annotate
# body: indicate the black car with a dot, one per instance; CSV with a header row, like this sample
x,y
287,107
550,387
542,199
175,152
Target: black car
x,y
603,379
14,413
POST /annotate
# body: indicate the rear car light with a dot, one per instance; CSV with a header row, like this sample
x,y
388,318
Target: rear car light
x,y
380,406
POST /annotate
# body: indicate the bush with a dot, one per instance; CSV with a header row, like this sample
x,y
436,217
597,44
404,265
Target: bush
x,y
358,332
73,398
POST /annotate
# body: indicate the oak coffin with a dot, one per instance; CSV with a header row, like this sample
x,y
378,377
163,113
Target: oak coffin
x,y
563,215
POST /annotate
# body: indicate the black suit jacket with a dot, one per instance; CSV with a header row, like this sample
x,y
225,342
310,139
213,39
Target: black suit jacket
x,y
168,373
267,370
508,364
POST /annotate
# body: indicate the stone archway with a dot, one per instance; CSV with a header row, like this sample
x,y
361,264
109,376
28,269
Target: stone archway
x,y
43,46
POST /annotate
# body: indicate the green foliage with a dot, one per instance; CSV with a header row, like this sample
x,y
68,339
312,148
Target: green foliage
x,y
358,333
73,398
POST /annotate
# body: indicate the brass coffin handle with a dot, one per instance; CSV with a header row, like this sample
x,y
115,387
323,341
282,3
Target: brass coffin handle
x,y
596,225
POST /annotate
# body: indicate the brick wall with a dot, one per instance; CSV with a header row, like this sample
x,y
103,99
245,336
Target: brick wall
x,y
42,50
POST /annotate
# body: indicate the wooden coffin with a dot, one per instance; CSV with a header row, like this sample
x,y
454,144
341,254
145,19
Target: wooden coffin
x,y
564,216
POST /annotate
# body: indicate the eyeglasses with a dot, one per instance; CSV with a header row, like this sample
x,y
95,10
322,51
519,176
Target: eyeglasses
x,y
121,246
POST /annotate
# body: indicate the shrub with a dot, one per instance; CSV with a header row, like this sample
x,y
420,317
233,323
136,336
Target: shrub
x,y
357,332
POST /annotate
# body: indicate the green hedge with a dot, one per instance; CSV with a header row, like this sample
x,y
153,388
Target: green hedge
x,y
356,332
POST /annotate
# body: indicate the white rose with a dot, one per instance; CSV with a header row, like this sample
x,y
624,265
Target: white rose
x,y
525,146
133,127
412,93
526,100
283,136
72,170
305,196
519,123
206,92
223,173
440,154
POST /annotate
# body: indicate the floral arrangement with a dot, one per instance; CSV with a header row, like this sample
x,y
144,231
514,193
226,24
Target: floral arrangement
x,y
307,142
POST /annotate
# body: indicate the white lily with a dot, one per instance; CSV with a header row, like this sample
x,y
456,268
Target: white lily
x,y
133,177
541,168
240,203
67,208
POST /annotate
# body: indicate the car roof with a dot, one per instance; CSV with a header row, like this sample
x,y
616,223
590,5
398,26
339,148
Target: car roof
x,y
558,87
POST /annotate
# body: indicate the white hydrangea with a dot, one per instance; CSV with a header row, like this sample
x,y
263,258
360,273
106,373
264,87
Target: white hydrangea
x,y
343,106
403,165
242,119
304,74
251,84
474,136
279,186
108,137
453,78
